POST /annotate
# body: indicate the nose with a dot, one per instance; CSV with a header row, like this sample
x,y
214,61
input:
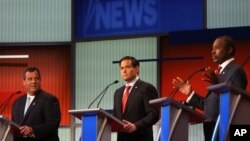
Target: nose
x,y
213,51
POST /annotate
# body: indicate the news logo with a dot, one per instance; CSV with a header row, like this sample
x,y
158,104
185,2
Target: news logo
x,y
239,132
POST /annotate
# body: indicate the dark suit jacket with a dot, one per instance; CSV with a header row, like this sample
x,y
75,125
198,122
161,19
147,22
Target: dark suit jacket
x,y
210,104
43,115
138,111
232,73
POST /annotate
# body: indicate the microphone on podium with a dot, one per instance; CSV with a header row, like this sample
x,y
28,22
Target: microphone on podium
x,y
173,93
6,102
102,94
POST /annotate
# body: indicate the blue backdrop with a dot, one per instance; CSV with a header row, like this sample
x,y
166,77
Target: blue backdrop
x,y
109,18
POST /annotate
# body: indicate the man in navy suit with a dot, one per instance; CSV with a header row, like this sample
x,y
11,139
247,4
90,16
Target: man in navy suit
x,y
38,113
137,114
223,52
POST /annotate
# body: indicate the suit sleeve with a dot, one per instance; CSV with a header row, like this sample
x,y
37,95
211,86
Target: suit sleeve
x,y
197,101
52,117
152,114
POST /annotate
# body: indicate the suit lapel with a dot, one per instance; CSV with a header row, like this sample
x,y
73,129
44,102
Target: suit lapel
x,y
227,72
22,105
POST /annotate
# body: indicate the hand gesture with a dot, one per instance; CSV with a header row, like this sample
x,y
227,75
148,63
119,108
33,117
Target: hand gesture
x,y
185,87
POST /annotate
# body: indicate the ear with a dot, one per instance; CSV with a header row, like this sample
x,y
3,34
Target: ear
x,y
230,50
137,69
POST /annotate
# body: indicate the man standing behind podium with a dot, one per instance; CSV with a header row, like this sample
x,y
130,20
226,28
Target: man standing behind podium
x,y
131,103
223,52
37,112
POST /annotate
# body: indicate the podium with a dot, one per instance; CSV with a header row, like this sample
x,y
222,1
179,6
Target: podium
x,y
97,124
8,129
175,119
234,108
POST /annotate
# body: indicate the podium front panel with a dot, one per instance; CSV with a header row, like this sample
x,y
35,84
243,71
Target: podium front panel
x,y
4,125
225,114
165,122
89,127
174,123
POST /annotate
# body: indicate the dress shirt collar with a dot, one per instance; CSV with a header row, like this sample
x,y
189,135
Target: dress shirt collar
x,y
31,97
132,83
224,64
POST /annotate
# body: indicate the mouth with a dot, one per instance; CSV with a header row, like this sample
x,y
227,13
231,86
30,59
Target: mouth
x,y
214,57
33,86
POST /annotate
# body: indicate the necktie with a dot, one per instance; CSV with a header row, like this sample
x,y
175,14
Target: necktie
x,y
218,70
27,104
125,98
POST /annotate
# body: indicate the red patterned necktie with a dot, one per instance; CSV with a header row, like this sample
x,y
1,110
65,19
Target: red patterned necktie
x,y
125,98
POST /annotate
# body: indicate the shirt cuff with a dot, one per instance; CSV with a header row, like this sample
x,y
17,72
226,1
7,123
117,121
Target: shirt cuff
x,y
190,96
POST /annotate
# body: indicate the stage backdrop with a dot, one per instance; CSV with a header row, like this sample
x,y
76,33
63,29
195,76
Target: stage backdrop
x,y
113,18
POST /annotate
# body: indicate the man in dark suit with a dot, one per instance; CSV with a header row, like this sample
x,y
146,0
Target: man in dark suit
x,y
223,52
37,112
131,104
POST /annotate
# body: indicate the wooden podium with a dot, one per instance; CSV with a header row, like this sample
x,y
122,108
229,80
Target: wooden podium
x,y
97,124
234,108
175,119
8,129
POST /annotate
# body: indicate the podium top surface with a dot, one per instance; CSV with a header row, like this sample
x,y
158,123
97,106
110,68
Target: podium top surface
x,y
169,101
78,113
227,86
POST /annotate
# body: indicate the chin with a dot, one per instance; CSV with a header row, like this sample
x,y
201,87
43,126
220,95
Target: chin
x,y
127,80
215,61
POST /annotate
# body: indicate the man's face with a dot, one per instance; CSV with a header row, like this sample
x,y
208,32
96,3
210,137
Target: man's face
x,y
31,82
220,52
128,72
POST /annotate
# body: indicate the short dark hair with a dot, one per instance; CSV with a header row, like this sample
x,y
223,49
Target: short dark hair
x,y
134,61
31,69
229,42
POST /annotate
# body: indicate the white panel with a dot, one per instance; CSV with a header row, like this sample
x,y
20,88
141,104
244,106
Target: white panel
x,y
228,13
35,20
64,133
196,132
95,70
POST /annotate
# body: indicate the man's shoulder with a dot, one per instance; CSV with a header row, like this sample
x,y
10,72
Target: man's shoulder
x,y
234,65
144,83
20,98
46,95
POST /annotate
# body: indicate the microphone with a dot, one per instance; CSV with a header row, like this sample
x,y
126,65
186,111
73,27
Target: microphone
x,y
6,102
173,93
102,94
